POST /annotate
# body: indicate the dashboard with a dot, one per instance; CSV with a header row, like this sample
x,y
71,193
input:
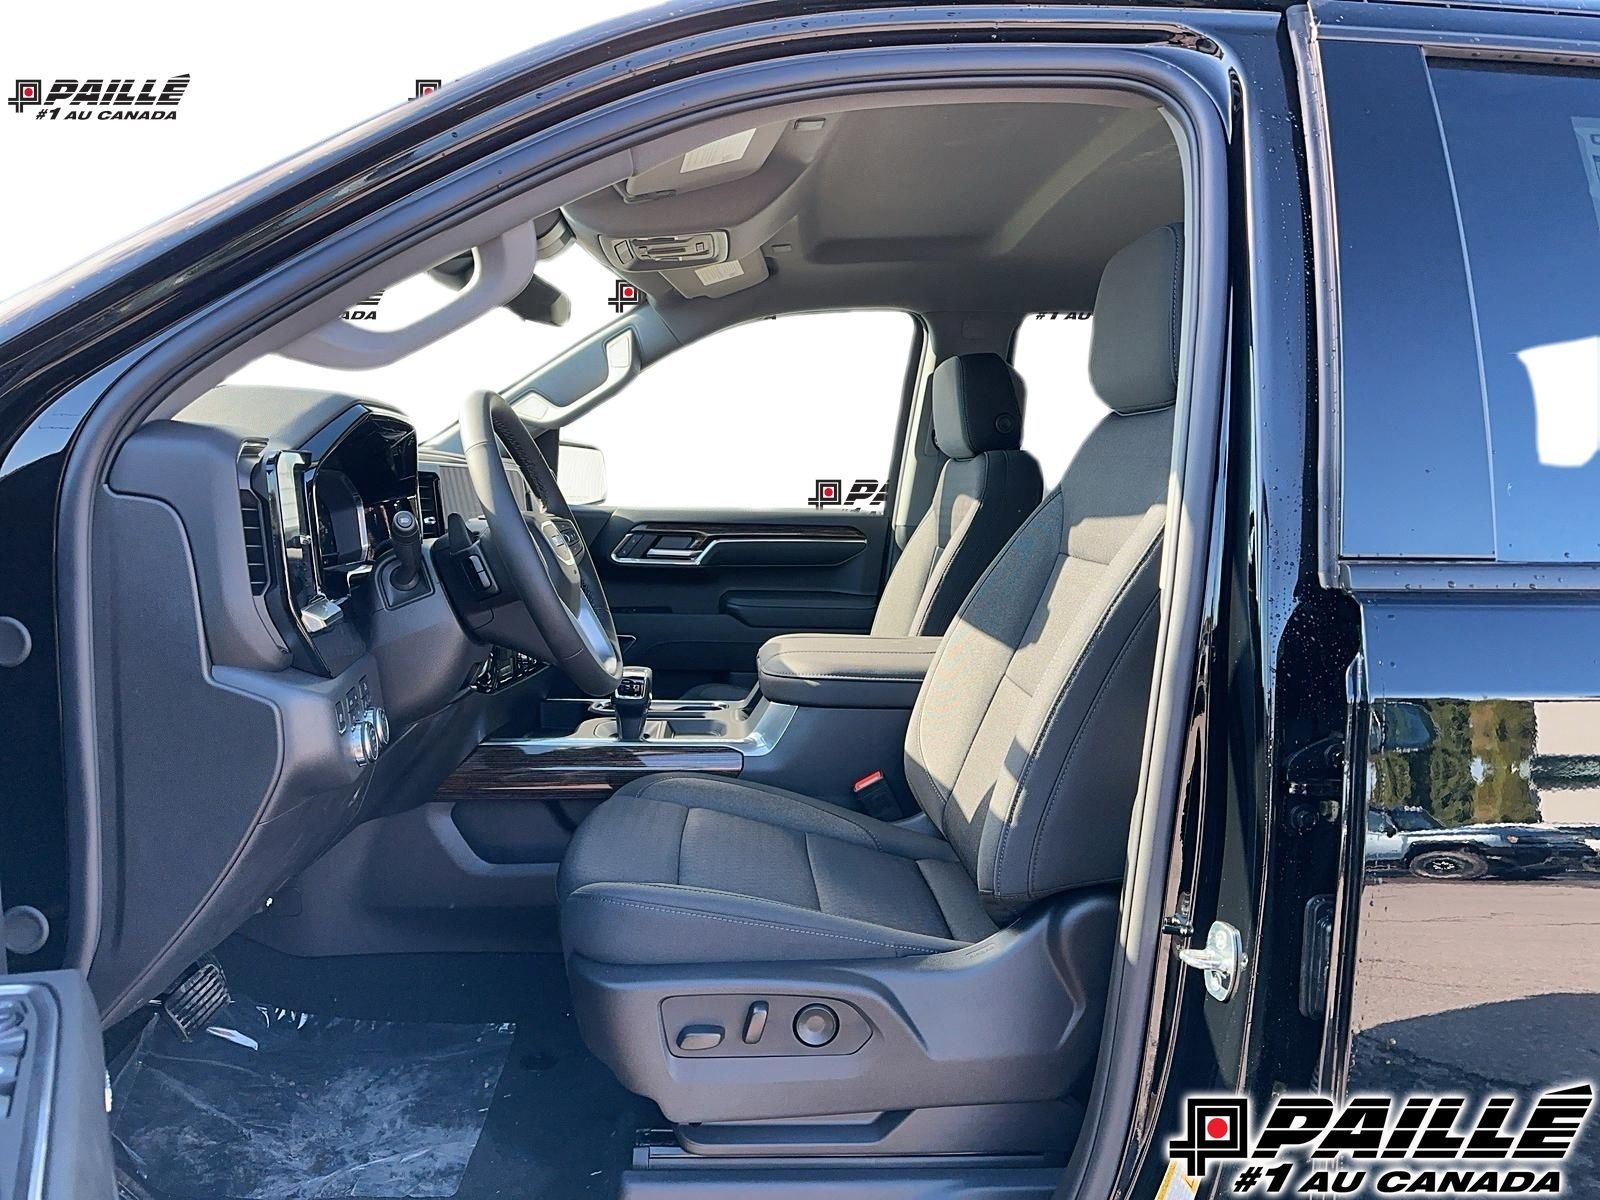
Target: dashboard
x,y
327,504
356,488
265,685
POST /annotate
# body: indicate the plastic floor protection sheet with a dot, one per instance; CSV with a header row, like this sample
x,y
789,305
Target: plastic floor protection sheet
x,y
270,1104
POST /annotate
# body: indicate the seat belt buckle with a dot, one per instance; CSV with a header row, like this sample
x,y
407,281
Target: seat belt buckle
x,y
876,797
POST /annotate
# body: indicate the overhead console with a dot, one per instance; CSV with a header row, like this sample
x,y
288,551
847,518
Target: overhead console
x,y
703,219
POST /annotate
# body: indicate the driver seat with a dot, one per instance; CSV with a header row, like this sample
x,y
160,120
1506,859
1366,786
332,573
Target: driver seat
x,y
686,900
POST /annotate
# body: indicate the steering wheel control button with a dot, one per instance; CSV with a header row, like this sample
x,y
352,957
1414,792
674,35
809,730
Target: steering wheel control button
x,y
476,568
816,1025
755,1023
700,1037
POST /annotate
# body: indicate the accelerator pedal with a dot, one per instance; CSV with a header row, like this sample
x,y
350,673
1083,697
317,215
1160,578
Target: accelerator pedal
x,y
196,998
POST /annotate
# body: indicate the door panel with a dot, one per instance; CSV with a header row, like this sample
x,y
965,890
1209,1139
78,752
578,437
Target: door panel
x,y
700,590
1473,951
55,1141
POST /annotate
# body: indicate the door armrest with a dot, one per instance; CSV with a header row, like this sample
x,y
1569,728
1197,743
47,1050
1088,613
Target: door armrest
x,y
845,670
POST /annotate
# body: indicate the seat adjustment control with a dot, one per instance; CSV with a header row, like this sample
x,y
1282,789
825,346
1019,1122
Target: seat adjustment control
x,y
755,1023
815,1025
699,1037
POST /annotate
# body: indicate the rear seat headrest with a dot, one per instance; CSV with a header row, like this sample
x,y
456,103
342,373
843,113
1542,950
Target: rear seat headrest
x,y
977,405
1138,318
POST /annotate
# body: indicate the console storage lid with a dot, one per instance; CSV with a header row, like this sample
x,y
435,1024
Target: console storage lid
x,y
845,670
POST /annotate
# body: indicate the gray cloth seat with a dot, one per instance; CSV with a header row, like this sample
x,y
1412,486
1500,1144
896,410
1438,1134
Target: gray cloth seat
x,y
754,873
1023,749
985,490
984,493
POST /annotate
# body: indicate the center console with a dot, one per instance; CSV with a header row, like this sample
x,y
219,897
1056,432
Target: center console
x,y
828,712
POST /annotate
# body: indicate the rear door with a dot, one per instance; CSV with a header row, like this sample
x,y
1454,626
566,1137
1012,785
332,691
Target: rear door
x,y
739,489
1460,152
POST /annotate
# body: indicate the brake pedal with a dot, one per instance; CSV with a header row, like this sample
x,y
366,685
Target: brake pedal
x,y
195,999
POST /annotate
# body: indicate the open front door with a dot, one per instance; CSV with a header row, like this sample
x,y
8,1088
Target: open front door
x,y
55,1142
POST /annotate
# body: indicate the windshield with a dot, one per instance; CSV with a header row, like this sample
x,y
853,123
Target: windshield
x,y
493,351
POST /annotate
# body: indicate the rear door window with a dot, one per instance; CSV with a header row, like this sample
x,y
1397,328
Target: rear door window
x,y
1467,201
1524,149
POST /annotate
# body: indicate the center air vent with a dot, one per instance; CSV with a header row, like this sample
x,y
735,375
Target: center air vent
x,y
255,542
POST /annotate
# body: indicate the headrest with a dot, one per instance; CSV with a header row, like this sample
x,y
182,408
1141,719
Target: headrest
x,y
977,405
1138,318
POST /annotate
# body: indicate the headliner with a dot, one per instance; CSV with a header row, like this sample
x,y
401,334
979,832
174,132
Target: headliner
x,y
966,206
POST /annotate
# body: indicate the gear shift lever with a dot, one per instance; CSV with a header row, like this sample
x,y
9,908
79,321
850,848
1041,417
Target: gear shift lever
x,y
632,702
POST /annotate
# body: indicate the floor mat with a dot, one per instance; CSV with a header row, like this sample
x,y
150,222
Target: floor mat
x,y
282,1104
560,1126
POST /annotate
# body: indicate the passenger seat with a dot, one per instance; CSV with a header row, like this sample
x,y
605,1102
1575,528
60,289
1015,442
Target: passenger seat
x,y
985,491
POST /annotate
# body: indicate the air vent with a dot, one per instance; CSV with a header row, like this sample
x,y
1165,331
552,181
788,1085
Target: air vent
x,y
428,501
255,542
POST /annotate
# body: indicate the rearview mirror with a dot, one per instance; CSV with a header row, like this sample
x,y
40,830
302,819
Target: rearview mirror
x,y
581,473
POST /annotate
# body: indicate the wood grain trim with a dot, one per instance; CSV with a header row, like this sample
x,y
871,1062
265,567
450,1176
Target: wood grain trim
x,y
508,771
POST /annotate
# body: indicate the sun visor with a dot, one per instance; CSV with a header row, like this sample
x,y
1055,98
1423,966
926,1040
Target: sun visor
x,y
721,161
719,279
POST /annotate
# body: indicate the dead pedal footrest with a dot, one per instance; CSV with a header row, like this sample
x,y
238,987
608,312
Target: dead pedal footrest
x,y
195,999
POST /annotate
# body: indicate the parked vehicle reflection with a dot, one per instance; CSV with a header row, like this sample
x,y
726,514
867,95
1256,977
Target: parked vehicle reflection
x,y
1463,987
1463,790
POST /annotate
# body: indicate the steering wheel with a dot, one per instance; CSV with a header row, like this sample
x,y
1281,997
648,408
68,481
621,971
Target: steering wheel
x,y
544,553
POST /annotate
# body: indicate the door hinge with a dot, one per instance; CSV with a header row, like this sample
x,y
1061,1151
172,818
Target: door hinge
x,y
1315,778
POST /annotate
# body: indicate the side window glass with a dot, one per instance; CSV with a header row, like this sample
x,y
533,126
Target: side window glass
x,y
1467,194
1524,146
1061,408
786,413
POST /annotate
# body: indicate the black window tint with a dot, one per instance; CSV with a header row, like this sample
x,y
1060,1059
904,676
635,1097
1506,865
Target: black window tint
x,y
1415,458
1524,153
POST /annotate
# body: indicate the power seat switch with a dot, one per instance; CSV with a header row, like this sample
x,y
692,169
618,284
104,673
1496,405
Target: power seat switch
x,y
700,1037
816,1025
755,1023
